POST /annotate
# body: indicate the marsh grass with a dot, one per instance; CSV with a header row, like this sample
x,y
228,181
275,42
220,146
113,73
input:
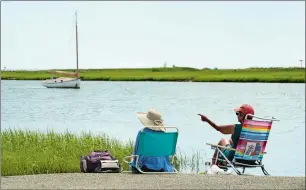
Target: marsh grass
x,y
27,152
189,163
277,75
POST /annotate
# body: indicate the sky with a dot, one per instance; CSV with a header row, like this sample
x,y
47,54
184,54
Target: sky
x,y
133,34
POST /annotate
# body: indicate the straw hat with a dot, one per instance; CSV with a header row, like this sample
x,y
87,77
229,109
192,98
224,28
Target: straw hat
x,y
152,120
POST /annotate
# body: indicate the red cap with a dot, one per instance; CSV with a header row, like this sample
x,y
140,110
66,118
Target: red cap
x,y
246,109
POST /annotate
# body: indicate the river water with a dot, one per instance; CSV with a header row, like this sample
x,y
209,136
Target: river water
x,y
110,107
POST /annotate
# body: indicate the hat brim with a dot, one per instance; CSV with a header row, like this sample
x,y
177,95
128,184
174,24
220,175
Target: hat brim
x,y
149,123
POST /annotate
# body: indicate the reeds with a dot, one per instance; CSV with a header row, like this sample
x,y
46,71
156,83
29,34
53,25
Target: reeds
x,y
27,152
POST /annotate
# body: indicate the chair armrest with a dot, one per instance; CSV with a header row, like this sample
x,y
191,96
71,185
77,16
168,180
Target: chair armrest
x,y
215,145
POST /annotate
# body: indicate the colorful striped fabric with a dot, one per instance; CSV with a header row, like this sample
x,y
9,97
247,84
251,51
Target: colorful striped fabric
x,y
253,139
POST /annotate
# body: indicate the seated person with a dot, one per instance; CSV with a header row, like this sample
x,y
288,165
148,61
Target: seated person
x,y
153,123
234,129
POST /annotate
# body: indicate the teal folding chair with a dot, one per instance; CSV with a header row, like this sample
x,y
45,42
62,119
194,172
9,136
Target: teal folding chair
x,y
250,147
155,144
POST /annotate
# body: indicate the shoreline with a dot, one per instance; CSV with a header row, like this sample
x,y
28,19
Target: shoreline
x,y
61,151
175,74
149,181
176,81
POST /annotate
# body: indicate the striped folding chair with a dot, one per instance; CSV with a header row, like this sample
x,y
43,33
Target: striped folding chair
x,y
251,145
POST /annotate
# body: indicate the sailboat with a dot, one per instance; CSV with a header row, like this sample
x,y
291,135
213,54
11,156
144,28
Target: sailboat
x,y
71,79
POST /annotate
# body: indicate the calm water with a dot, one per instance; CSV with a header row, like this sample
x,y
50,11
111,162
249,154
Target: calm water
x,y
110,107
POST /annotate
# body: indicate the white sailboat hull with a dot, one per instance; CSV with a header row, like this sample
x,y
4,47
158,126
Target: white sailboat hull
x,y
62,83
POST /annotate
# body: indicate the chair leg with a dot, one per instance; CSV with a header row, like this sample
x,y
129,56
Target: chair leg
x,y
264,170
229,162
243,170
237,171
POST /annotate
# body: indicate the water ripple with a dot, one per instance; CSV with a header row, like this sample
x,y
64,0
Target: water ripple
x,y
110,107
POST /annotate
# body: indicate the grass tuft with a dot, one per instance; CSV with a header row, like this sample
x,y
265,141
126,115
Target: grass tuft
x,y
26,152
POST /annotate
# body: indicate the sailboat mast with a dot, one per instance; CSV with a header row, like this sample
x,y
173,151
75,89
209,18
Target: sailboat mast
x,y
77,44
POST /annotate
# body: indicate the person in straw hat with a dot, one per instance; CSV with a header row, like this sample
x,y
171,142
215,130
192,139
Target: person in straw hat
x,y
152,120
233,129
153,123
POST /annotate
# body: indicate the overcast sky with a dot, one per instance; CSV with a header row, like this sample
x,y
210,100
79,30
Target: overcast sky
x,y
41,35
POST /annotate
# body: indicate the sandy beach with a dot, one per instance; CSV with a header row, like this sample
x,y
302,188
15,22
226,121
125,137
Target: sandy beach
x,y
149,181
